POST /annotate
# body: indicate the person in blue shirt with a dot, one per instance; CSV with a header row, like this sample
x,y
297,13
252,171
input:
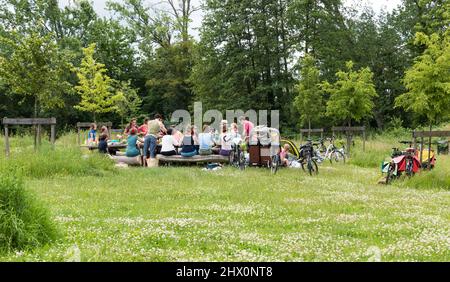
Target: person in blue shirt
x,y
92,135
206,141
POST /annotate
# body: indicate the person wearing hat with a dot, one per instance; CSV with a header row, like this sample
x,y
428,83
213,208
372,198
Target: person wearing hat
x,y
132,149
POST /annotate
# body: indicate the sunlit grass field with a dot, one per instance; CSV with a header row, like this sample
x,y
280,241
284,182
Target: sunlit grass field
x,y
186,214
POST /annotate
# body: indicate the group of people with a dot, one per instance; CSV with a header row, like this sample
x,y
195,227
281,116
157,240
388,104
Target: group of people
x,y
152,138
102,138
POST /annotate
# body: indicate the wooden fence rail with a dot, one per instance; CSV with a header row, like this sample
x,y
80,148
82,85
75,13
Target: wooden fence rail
x,y
37,123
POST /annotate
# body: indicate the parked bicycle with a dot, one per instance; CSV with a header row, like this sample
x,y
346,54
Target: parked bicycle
x,y
331,152
308,158
403,162
237,156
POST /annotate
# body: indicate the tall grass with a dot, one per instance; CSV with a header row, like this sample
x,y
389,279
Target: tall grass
x,y
65,159
24,222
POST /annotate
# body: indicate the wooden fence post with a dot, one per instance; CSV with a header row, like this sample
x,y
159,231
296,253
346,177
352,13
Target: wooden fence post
x,y
364,140
53,135
39,140
6,141
78,136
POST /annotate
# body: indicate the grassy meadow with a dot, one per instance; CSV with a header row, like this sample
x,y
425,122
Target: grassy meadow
x,y
186,214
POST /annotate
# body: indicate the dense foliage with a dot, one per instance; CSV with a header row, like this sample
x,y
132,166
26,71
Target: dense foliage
x,y
245,57
24,222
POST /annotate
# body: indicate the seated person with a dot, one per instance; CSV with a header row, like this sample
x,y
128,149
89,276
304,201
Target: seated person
x,y
284,155
133,124
103,143
188,145
195,136
206,141
92,135
226,142
132,149
143,129
177,135
104,130
168,143
235,136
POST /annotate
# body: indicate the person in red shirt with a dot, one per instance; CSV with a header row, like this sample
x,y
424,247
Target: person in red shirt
x,y
248,127
143,129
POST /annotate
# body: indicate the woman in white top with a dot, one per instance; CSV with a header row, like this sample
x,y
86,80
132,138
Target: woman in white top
x,y
168,144
226,142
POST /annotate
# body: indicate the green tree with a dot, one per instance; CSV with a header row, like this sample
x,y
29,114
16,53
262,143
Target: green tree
x,y
309,100
95,86
36,68
131,103
428,80
351,96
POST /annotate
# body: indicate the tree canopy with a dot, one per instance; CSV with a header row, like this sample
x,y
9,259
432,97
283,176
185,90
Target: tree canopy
x,y
244,56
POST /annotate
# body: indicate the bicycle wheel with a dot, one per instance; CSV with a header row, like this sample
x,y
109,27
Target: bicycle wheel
x,y
409,167
241,160
338,157
232,158
390,174
274,164
313,169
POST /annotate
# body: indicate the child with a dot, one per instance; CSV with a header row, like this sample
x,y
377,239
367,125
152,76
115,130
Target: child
x,y
103,143
284,154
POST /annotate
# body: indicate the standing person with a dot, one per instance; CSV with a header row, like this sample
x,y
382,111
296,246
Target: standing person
x,y
143,129
155,127
92,134
168,143
206,141
132,149
188,146
248,127
226,142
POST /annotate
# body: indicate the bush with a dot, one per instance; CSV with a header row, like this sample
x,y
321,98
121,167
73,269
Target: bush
x,y
24,222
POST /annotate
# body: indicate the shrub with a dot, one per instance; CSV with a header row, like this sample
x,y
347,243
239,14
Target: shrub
x,y
24,222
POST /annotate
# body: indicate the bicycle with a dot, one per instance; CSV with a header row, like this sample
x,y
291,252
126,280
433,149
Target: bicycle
x,y
308,158
402,162
331,152
237,156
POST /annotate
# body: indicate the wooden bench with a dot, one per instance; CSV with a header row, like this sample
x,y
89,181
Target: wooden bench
x,y
136,161
195,159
